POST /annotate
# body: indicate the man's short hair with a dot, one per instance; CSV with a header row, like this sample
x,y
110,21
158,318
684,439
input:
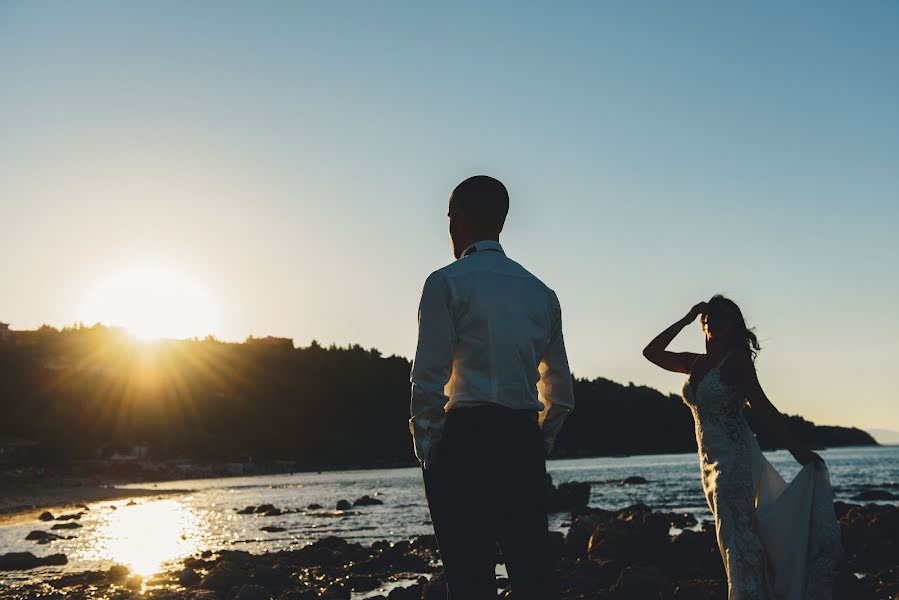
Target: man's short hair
x,y
482,198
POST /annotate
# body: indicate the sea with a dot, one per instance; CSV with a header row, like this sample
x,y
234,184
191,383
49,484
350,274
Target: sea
x,y
151,534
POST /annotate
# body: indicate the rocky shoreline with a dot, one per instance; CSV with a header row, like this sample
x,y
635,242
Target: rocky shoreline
x,y
634,552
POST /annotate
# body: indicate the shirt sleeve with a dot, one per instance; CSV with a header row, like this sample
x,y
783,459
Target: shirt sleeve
x,y
555,388
432,367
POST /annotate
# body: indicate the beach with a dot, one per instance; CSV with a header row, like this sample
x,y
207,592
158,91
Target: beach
x,y
626,525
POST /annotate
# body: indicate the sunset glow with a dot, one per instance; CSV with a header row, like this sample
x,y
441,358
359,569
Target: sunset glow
x,y
152,301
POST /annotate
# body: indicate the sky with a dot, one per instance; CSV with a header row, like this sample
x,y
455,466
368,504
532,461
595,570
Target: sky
x,y
288,164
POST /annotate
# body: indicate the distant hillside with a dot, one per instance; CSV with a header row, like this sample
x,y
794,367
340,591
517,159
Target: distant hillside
x,y
885,436
80,393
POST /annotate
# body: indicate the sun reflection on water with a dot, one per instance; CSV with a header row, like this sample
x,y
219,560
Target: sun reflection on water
x,y
145,536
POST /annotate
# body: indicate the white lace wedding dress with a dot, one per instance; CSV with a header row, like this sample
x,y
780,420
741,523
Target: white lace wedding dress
x,y
777,540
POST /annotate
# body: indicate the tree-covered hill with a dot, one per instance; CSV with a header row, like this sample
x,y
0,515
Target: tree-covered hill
x,y
80,390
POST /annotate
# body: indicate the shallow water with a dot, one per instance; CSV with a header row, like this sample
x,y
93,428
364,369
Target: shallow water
x,y
149,534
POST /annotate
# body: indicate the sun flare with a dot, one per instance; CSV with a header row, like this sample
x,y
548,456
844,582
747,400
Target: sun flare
x,y
152,301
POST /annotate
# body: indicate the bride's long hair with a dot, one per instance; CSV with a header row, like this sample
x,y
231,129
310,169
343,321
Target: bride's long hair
x,y
741,336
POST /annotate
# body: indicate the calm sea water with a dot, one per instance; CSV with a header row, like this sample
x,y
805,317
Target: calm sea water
x,y
150,534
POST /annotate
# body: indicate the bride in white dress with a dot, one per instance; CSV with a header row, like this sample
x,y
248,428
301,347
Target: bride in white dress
x,y
777,540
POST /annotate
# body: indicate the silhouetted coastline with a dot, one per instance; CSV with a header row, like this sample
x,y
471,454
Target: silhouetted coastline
x,y
96,402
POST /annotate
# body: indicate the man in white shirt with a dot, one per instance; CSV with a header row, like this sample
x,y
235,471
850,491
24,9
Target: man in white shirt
x,y
490,389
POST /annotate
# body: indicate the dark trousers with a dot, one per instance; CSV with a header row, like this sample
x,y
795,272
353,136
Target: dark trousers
x,y
487,485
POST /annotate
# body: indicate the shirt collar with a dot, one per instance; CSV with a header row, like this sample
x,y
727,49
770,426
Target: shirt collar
x,y
483,245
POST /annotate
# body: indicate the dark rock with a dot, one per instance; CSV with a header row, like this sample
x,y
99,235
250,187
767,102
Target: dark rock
x,y
362,583
117,572
701,589
635,534
582,528
424,542
247,510
251,591
367,501
344,505
695,555
644,581
271,529
634,480
567,496
20,561
412,592
69,517
435,588
274,512
188,577
264,508
222,578
314,506
869,495
66,526
42,536
337,591
46,516
870,536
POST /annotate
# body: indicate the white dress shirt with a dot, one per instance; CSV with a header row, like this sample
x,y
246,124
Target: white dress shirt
x,y
489,333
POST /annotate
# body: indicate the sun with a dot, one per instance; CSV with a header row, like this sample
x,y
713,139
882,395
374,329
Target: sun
x,y
152,301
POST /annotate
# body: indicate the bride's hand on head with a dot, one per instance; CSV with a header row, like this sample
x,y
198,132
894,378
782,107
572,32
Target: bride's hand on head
x,y
697,310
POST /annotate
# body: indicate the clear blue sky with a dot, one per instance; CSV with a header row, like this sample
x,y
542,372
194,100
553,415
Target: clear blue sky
x,y
294,159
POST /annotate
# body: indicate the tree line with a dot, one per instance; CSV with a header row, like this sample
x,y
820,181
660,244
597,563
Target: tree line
x,y
76,390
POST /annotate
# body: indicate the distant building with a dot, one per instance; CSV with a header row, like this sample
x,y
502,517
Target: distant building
x,y
271,341
5,333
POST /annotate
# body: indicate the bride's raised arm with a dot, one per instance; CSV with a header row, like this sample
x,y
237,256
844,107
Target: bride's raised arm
x,y
656,351
771,418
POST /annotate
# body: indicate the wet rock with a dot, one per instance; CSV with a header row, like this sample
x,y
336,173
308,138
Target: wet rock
x,y
411,592
424,542
271,529
701,589
567,496
20,561
635,534
46,516
188,577
582,528
683,520
435,588
634,480
869,495
66,526
273,512
367,501
251,591
337,592
42,537
314,506
69,517
117,572
870,536
222,578
264,508
643,582
344,505
695,555
247,510
362,583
